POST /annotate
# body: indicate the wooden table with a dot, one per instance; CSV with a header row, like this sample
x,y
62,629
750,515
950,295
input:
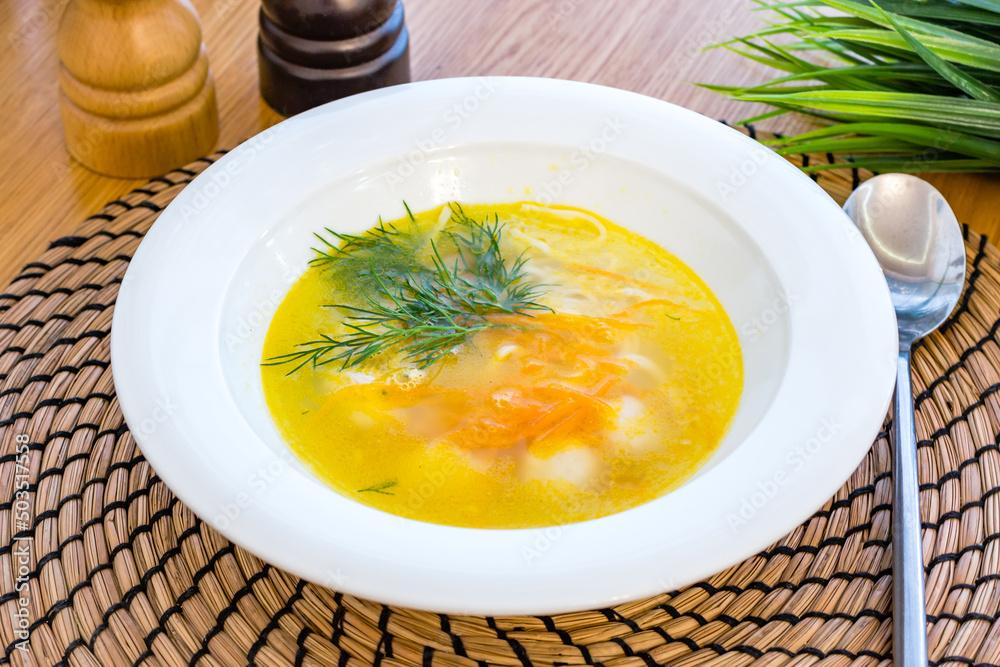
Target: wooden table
x,y
648,46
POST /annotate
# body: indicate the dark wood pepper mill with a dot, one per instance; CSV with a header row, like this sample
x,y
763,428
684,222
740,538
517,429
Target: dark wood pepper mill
x,y
314,51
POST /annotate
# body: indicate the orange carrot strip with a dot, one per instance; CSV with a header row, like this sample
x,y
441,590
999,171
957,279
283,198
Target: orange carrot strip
x,y
568,322
653,302
616,276
564,426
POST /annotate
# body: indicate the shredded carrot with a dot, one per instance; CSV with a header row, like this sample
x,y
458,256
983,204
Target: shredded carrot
x,y
562,322
653,302
582,268
559,384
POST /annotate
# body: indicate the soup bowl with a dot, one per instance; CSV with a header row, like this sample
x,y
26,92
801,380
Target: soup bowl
x,y
803,291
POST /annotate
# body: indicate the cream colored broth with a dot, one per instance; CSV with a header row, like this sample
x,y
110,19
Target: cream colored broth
x,y
610,401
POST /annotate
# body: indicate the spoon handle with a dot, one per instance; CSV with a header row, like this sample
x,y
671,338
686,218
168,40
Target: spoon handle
x,y
909,617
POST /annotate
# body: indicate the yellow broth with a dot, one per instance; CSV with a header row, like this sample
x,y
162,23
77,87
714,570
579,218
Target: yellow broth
x,y
613,399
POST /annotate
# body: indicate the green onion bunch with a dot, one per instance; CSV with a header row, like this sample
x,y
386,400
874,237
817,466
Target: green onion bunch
x,y
896,85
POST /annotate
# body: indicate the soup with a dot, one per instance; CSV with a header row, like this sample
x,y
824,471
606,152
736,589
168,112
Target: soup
x,y
501,366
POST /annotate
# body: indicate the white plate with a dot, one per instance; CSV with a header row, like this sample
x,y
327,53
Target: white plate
x,y
804,292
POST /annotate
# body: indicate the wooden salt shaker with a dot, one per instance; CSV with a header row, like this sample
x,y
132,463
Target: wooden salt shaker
x,y
136,94
314,51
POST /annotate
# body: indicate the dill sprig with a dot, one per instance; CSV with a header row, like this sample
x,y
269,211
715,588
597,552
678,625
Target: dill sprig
x,y
381,488
377,237
495,286
392,251
426,313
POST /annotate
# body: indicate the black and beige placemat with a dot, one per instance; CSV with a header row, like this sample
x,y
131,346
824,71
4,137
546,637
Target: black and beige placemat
x,y
101,565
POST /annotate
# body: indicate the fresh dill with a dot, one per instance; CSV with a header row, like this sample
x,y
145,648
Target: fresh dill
x,y
377,237
380,488
386,250
423,312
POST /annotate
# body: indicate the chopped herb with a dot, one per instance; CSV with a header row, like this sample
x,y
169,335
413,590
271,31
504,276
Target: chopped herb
x,y
381,488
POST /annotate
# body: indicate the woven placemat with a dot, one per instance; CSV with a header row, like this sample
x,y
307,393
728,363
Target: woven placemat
x,y
118,572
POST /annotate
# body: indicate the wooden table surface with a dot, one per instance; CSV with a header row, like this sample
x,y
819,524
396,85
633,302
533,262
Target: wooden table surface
x,y
648,46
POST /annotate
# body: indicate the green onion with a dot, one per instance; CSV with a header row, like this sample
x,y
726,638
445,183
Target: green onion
x,y
898,85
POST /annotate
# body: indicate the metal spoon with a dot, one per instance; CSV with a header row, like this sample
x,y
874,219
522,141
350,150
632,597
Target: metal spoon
x,y
917,241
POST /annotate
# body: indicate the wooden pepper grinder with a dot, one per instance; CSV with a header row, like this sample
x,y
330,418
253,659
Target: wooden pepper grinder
x,y
136,93
314,51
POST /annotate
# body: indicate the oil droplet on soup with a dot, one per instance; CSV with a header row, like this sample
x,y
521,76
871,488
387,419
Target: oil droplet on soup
x,y
614,395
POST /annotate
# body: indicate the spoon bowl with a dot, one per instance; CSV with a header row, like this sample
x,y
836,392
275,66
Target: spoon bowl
x,y
917,241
